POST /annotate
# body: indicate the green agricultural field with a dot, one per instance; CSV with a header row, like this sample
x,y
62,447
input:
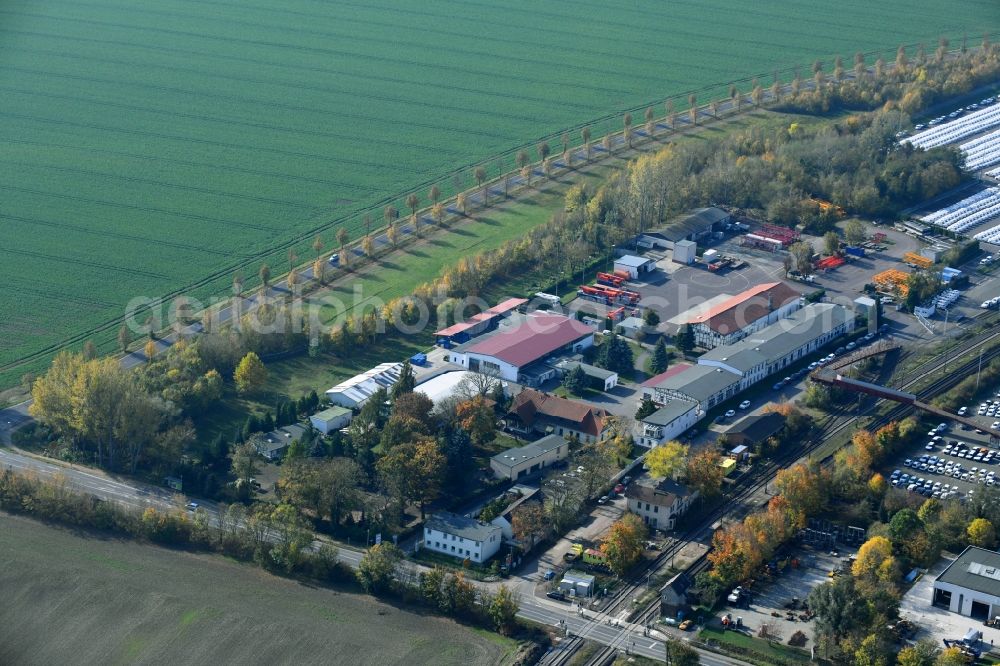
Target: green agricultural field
x,y
153,148
87,599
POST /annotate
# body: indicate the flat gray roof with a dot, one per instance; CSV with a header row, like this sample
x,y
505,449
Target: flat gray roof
x,y
743,360
589,370
784,336
632,261
975,569
700,382
670,412
512,457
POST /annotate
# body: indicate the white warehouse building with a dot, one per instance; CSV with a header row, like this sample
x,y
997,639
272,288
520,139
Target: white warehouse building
x,y
354,392
523,342
970,585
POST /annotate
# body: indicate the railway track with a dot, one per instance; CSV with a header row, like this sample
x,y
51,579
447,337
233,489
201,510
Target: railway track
x,y
763,475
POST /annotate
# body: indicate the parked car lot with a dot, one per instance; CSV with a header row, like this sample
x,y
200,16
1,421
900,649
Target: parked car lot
x,y
948,465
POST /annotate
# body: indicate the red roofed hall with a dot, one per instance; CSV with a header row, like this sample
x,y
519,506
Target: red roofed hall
x,y
534,411
520,343
738,316
476,324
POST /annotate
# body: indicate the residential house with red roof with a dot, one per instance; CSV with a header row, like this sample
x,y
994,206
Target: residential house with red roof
x,y
535,412
743,314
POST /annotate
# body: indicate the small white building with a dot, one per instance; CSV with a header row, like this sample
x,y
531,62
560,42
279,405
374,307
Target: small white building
x,y
668,422
685,252
578,583
634,266
630,327
331,419
462,537
354,392
521,461
971,584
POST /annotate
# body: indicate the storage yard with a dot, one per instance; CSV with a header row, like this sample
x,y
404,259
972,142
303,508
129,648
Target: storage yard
x,y
973,129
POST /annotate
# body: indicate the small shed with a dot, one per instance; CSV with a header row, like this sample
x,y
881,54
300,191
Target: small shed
x,y
578,583
599,378
741,452
331,419
630,326
728,466
685,251
633,265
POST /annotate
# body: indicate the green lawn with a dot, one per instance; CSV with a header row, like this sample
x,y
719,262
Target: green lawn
x,y
294,377
152,148
397,274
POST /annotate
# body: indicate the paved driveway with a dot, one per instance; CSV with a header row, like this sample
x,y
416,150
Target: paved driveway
x,y
938,623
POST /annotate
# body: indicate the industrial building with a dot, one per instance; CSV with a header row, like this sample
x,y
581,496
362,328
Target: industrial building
x,y
748,312
524,460
460,383
702,384
477,324
519,343
691,226
971,584
755,429
354,392
331,419
729,369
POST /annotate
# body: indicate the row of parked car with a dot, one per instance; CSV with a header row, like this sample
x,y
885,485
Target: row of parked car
x,y
925,487
955,114
826,360
988,407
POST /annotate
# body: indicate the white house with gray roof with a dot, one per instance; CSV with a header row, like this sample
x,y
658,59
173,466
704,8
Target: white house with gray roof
x,y
668,422
462,537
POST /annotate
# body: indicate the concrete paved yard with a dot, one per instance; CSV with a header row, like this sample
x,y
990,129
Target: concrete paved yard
x,y
772,595
936,623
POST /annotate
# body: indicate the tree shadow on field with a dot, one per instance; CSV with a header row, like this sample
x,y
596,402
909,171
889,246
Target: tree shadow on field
x,y
461,232
416,253
440,243
389,265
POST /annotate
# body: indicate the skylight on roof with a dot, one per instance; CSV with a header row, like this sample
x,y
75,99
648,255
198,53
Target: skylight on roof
x,y
984,570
